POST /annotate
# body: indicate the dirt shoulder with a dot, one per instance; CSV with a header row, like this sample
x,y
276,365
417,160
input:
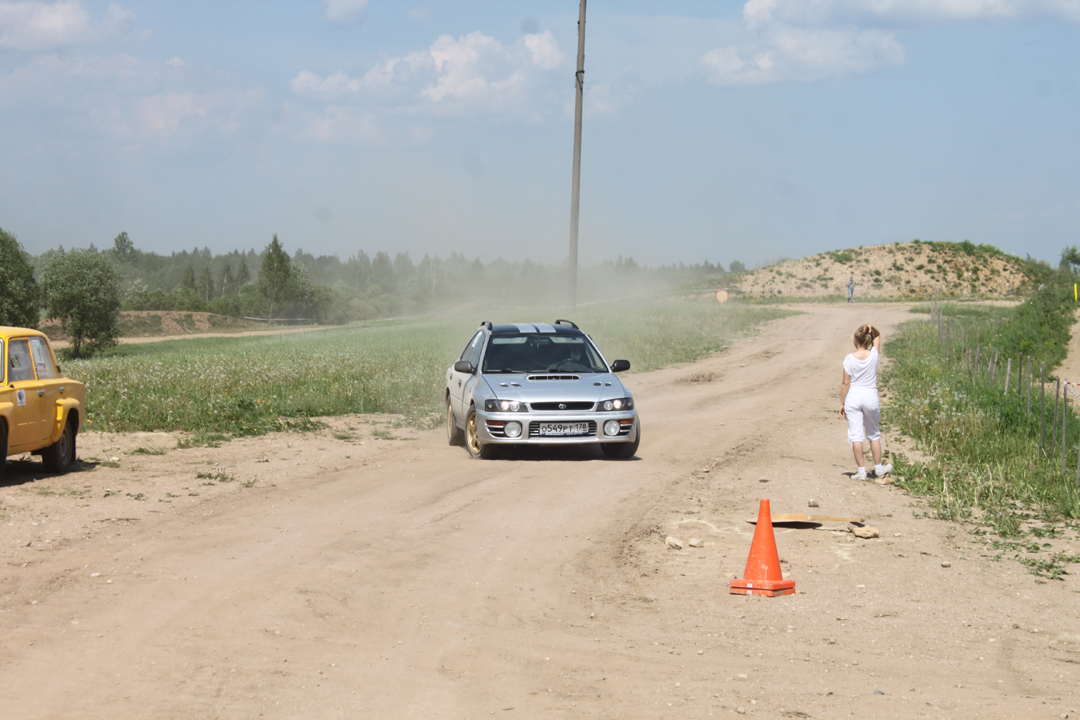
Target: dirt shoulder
x,y
370,570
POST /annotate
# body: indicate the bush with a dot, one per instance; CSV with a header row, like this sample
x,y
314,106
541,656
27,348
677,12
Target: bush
x,y
18,292
82,289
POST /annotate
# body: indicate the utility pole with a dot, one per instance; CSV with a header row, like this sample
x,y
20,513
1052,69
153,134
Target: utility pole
x,y
575,200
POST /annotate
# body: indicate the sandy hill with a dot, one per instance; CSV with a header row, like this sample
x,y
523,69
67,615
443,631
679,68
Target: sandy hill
x,y
900,270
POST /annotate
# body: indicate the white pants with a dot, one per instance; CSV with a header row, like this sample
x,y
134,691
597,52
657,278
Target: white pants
x,y
863,414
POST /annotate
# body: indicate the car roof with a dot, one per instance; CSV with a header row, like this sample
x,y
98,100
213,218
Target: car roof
x,y
8,331
534,328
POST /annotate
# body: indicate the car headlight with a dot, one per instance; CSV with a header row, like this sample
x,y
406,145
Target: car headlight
x,y
505,406
616,404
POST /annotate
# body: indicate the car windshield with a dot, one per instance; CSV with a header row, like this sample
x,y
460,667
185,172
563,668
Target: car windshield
x,y
542,353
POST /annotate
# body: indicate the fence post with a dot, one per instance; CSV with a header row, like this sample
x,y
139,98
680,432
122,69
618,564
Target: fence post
x,y
1053,435
1008,375
1029,386
978,355
1042,384
1064,419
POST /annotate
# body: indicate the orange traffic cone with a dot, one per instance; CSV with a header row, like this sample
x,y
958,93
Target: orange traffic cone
x,y
763,575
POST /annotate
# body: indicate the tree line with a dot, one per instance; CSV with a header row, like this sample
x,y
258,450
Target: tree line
x,y
87,289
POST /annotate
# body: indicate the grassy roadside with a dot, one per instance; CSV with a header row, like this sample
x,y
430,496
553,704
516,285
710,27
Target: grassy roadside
x,y
226,387
992,465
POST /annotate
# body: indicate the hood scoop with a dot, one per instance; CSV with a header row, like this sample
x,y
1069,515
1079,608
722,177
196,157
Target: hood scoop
x,y
537,378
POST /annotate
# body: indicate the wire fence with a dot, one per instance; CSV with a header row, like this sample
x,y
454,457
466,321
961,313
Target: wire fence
x,y
982,363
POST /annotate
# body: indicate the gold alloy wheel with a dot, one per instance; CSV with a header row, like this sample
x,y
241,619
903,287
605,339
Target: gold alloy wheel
x,y
471,436
449,421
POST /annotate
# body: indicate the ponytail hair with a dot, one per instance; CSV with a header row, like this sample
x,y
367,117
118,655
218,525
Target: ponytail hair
x,y
864,336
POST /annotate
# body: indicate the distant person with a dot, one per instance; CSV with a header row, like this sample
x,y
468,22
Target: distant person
x,y
859,400
851,288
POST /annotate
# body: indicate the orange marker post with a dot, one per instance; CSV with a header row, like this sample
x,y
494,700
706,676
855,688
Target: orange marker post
x,y
763,575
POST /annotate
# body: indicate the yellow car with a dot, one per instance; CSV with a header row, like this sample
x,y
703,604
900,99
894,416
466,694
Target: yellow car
x,y
40,410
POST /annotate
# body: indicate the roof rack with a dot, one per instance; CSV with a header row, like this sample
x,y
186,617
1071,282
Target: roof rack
x,y
567,322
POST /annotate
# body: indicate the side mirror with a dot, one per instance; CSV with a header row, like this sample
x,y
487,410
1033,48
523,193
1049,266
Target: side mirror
x,y
620,365
464,366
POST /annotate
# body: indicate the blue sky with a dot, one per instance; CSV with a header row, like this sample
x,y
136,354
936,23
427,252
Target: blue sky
x,y
713,130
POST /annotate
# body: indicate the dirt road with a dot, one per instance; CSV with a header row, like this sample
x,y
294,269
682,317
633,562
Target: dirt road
x,y
370,571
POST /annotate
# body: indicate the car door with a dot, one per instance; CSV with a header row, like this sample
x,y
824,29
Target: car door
x,y
49,384
458,380
31,412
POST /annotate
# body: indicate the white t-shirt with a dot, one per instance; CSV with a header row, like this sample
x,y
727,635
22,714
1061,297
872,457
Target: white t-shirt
x,y
863,372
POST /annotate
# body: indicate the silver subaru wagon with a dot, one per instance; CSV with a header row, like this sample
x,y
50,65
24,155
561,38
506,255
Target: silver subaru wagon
x,y
538,384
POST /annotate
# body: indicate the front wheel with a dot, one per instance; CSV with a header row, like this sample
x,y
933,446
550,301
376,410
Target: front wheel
x,y
59,456
624,450
472,439
454,435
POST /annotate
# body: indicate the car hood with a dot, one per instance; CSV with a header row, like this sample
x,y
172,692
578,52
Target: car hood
x,y
538,387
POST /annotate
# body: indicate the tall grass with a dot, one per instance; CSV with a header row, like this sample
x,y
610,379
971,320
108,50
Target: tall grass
x,y
251,385
989,464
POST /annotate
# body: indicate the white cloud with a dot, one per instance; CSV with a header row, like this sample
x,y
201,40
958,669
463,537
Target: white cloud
x,y
127,98
461,75
118,20
544,49
810,40
337,124
34,26
783,53
345,10
470,68
419,14
817,12
163,114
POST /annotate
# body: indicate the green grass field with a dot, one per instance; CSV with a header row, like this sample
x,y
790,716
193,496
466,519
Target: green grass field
x,y
251,385
991,463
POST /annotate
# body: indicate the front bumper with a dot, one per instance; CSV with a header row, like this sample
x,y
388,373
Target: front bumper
x,y
492,427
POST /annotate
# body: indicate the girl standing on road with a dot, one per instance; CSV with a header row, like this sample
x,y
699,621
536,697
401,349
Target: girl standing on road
x,y
859,399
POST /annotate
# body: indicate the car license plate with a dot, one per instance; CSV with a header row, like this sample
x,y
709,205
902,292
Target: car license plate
x,y
564,428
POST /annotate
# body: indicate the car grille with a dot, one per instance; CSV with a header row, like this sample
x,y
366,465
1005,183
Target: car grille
x,y
534,430
562,405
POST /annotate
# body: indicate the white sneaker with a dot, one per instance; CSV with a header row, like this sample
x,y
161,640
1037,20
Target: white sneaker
x,y
885,470
859,474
